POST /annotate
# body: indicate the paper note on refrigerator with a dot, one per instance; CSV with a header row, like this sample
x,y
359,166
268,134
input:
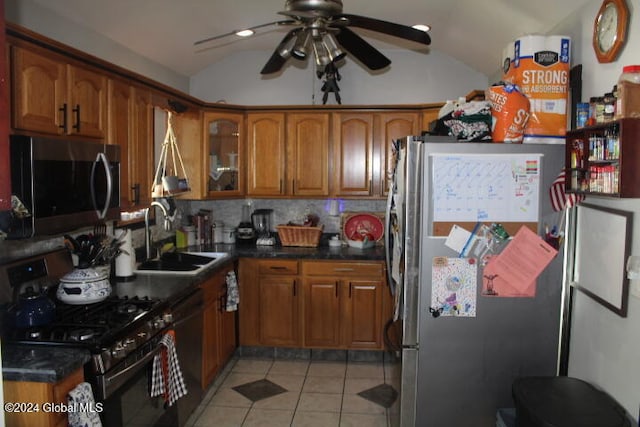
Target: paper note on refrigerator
x,y
454,286
486,187
513,272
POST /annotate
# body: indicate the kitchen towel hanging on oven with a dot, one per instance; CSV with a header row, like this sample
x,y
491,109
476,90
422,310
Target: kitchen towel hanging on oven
x,y
166,376
83,411
233,296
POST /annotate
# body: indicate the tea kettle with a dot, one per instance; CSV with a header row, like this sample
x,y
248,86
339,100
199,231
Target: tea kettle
x,y
32,309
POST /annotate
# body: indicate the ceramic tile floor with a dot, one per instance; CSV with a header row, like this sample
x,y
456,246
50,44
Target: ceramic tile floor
x,y
318,393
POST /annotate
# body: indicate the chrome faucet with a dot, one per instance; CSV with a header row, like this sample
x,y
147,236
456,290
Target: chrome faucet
x,y
147,232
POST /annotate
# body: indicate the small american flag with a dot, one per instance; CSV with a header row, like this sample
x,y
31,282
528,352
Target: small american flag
x,y
559,199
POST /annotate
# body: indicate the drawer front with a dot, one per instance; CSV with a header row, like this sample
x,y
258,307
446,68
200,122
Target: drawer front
x,y
318,268
278,266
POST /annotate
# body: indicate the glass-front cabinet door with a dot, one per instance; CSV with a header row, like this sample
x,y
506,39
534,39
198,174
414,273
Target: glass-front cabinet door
x,y
224,149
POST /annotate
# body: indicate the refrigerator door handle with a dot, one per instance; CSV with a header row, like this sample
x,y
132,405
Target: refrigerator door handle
x,y
387,236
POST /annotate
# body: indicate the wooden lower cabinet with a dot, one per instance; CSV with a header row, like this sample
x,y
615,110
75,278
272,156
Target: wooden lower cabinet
x,y
40,393
313,304
219,327
322,314
362,313
343,304
278,311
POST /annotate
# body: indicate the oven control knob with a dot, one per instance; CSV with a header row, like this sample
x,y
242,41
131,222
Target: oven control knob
x,y
118,351
129,344
158,323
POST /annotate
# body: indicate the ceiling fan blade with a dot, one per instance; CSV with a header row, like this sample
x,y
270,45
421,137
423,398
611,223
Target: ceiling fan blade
x,y
362,50
277,59
256,27
390,28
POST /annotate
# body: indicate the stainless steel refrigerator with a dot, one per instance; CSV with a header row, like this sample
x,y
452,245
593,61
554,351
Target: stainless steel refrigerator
x,y
457,371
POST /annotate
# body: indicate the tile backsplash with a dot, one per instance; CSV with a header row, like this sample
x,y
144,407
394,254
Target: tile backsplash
x,y
284,210
228,211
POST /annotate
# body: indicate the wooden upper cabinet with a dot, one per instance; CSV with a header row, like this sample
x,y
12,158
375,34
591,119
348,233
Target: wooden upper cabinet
x,y
130,126
38,91
308,146
429,115
187,128
120,125
224,154
53,97
353,154
142,161
88,102
389,127
266,154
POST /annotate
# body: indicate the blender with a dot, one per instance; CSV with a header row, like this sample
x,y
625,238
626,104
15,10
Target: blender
x,y
262,224
246,233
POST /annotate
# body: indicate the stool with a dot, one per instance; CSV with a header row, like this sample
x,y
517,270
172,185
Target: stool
x,y
564,402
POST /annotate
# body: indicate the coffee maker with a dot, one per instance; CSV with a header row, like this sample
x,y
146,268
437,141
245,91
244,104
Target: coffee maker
x,y
262,224
246,233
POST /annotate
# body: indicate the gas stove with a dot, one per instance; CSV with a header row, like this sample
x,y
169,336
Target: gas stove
x,y
110,330
119,332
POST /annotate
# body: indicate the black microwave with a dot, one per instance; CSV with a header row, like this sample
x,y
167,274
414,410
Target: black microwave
x,y
62,184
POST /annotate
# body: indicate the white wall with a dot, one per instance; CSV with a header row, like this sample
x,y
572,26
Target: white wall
x,y
412,78
605,348
30,15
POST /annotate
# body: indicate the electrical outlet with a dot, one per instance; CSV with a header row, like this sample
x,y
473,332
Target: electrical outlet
x,y
634,286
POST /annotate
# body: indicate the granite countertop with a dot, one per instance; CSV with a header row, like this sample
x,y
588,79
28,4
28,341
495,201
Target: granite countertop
x,y
51,364
321,252
36,363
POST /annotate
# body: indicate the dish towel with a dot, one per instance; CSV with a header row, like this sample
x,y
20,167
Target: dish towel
x,y
166,376
82,411
233,296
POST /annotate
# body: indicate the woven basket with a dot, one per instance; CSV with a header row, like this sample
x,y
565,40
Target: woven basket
x,y
299,236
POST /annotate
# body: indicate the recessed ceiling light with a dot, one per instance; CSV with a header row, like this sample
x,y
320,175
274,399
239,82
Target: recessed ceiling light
x,y
244,33
421,27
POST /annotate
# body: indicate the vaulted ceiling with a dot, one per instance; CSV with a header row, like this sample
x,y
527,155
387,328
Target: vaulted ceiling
x,y
474,32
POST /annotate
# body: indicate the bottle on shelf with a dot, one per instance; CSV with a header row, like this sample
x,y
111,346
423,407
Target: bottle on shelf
x,y
609,107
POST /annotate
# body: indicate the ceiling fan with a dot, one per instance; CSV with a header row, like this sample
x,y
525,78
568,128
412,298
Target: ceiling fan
x,y
322,28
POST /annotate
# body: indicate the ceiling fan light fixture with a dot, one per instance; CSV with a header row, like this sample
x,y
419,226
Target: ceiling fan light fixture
x,y
300,47
422,27
321,53
332,48
284,50
245,33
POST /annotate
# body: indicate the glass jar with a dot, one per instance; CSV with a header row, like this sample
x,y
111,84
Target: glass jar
x,y
599,109
609,107
630,73
628,100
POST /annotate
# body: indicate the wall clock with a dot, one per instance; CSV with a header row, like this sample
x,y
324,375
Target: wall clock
x,y
610,29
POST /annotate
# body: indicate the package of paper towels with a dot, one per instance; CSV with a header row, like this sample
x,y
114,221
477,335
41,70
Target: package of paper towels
x,y
126,260
539,66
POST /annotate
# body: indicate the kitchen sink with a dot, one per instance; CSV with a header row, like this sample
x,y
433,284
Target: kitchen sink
x,y
184,263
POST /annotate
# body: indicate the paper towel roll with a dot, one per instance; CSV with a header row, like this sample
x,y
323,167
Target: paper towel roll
x,y
540,66
125,262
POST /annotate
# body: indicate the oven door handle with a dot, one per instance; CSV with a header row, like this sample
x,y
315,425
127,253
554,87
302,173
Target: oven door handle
x,y
115,378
